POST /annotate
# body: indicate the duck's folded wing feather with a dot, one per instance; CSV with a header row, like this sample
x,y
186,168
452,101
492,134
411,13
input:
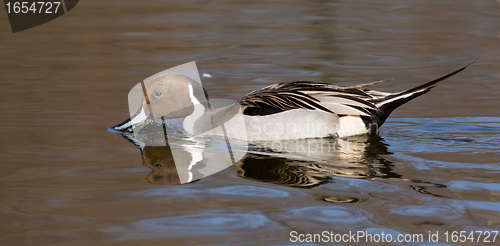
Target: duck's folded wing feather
x,y
309,95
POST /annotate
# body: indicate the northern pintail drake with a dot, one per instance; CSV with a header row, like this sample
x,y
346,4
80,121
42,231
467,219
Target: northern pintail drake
x,y
288,110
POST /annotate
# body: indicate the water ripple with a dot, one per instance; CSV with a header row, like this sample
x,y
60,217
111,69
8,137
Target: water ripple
x,y
232,190
328,214
211,222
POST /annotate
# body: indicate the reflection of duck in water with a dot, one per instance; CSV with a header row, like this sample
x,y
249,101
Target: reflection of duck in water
x,y
351,158
160,160
312,162
360,157
184,160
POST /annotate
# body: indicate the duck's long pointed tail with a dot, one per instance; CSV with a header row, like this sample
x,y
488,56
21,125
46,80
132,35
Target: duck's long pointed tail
x,y
392,101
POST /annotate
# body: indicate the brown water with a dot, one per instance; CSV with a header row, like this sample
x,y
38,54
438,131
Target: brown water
x,y
65,180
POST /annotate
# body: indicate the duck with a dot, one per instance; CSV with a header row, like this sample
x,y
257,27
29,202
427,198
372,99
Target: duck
x,y
287,110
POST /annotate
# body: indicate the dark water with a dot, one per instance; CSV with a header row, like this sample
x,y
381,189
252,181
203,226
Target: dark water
x,y
65,180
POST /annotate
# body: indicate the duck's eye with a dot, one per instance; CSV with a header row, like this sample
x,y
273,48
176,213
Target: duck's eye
x,y
158,165
158,94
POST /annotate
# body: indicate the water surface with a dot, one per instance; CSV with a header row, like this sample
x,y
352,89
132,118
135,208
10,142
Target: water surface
x,y
67,181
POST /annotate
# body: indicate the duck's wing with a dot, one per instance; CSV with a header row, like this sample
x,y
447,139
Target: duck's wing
x,y
312,96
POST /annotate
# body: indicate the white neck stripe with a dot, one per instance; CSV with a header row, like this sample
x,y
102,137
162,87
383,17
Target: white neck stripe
x,y
198,111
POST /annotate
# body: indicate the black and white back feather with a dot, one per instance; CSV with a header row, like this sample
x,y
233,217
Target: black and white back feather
x,y
372,106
